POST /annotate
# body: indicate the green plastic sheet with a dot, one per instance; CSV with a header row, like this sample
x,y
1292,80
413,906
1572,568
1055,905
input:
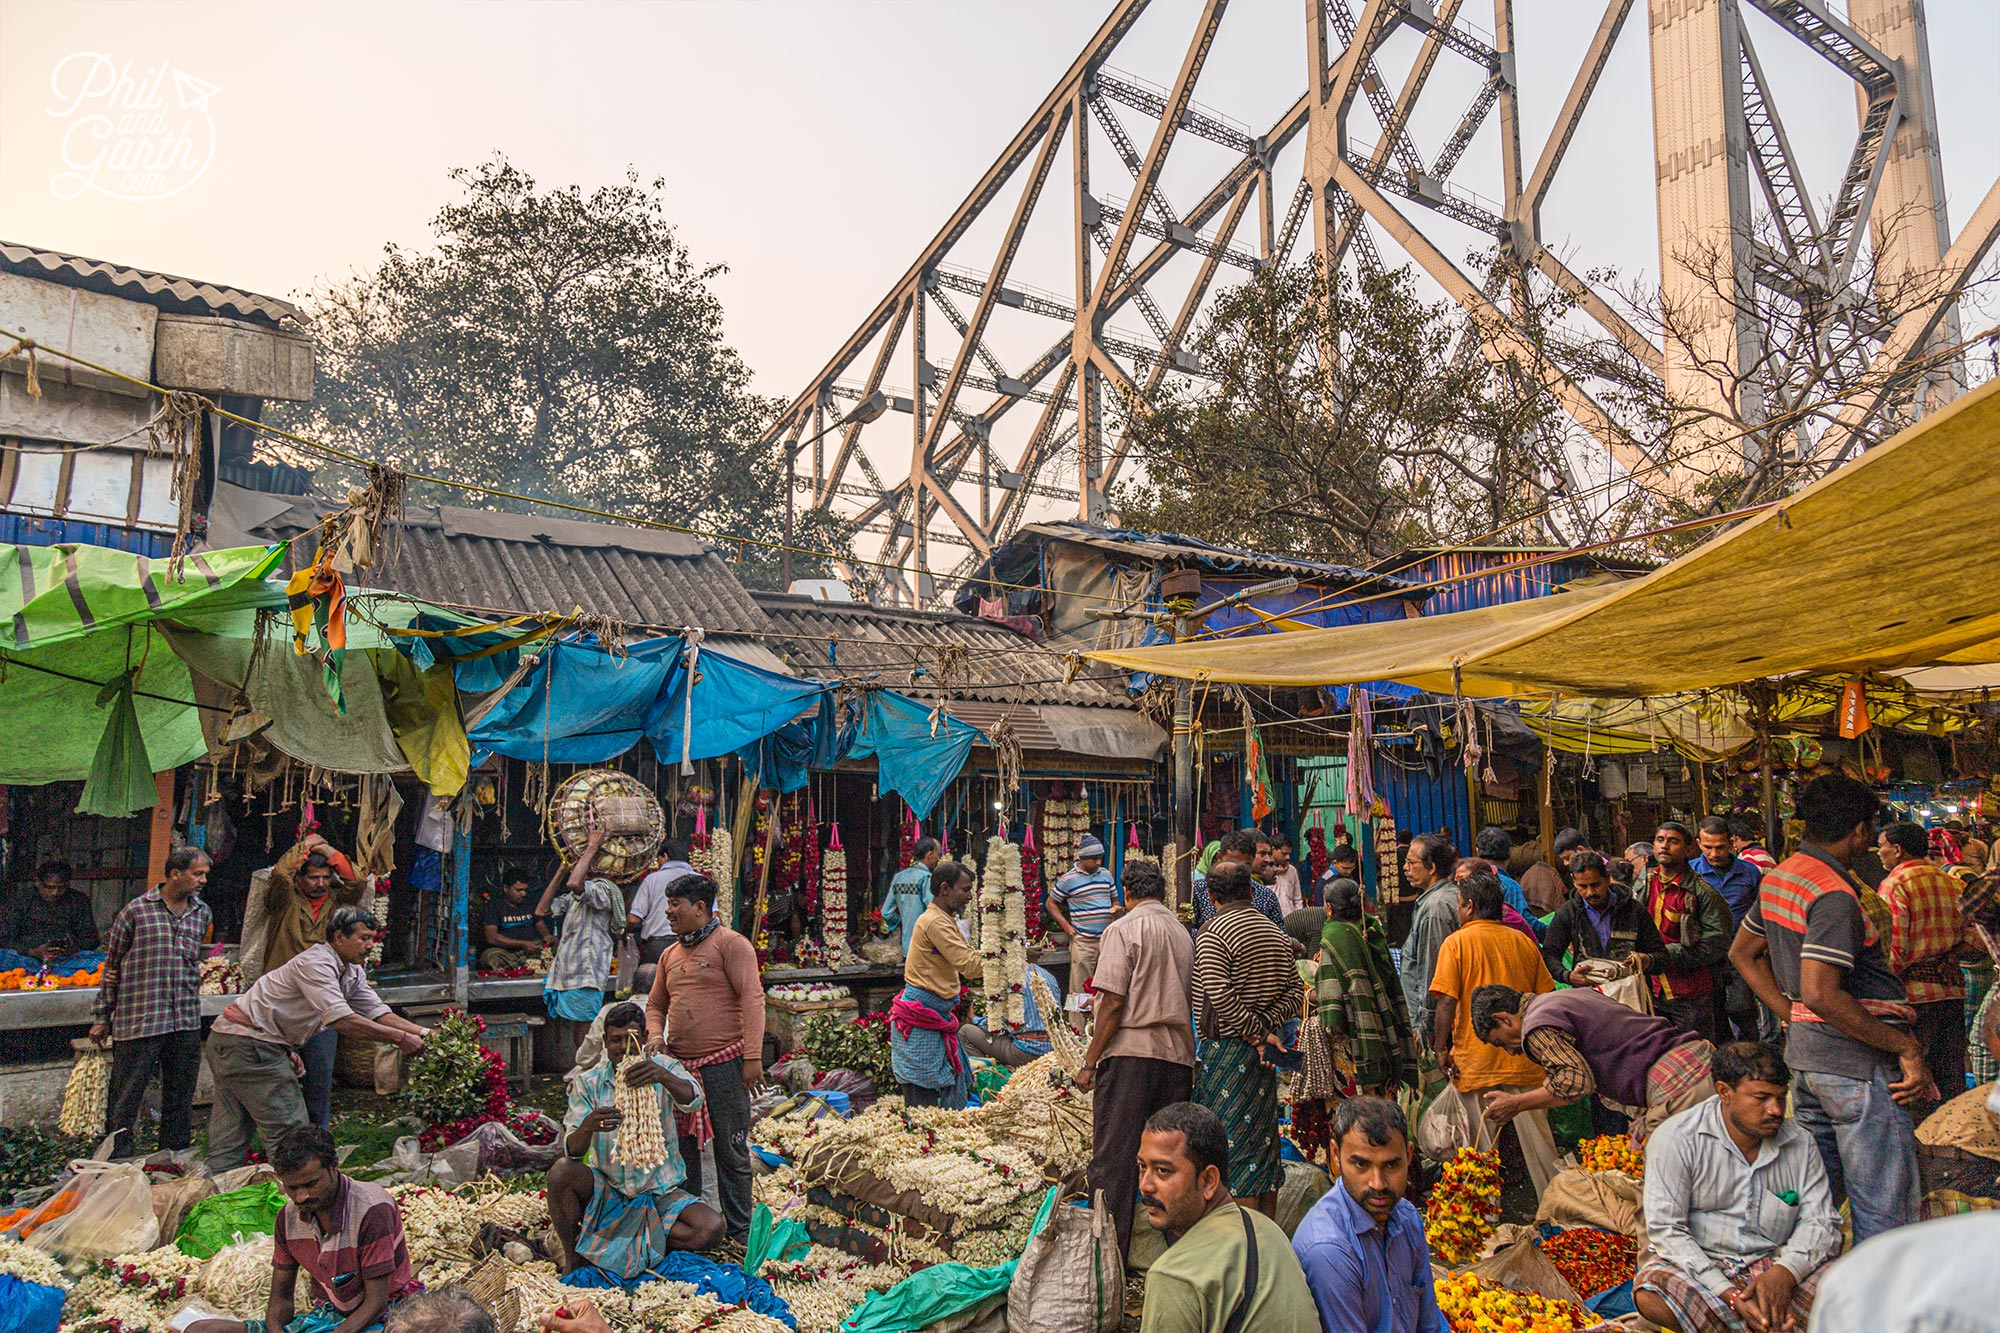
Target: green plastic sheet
x,y
940,1291
771,1239
222,1219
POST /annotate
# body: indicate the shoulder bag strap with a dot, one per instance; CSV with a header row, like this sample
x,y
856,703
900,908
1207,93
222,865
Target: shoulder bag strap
x,y
1242,1310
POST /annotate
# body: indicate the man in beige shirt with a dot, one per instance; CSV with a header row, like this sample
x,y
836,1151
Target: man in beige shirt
x,y
1141,1055
923,1027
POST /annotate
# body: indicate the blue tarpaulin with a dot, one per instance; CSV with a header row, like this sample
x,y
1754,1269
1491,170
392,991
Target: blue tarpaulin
x,y
910,758
581,705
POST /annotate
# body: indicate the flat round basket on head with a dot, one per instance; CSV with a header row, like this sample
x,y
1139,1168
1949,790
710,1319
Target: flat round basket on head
x,y
633,823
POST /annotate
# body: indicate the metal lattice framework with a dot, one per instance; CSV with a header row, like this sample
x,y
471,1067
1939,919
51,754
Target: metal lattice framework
x,y
979,448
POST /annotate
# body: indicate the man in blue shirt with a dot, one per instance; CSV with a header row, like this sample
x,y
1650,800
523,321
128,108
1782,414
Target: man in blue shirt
x,y
910,891
1250,847
1083,903
1362,1245
1736,879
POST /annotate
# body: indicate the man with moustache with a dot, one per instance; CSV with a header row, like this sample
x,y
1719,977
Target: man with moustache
x,y
1362,1246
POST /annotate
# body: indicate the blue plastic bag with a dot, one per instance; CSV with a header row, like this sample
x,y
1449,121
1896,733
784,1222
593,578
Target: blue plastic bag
x,y
28,1307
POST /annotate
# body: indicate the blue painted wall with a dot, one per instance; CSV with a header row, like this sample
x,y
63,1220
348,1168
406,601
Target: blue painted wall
x,y
28,530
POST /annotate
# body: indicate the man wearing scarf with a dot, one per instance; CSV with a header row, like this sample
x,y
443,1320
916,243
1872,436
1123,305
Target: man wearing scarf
x,y
923,1030
1695,924
706,1010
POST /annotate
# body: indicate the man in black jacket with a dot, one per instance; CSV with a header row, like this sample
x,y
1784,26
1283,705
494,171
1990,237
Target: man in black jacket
x,y
1600,920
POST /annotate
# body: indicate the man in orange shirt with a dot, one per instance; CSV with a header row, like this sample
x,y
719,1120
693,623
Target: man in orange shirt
x,y
1483,952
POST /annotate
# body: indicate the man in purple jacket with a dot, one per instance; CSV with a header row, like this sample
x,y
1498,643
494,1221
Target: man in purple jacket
x,y
1588,1042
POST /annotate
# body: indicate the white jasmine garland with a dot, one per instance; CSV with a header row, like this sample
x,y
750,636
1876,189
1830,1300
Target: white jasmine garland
x,y
833,898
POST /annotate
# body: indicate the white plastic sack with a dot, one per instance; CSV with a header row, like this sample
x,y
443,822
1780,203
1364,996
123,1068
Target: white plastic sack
x,y
1070,1278
113,1215
1444,1128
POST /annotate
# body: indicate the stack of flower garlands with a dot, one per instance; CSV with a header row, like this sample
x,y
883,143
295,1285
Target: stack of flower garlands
x,y
834,901
1064,822
1317,856
986,1167
711,853
456,1084
1612,1152
1464,1206
1475,1305
1003,937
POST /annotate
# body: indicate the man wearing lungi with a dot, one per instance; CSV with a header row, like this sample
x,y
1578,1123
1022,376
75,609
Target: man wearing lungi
x,y
923,1029
1738,1210
625,1219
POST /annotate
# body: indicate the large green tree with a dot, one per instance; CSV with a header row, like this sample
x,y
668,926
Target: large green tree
x,y
555,344
1338,422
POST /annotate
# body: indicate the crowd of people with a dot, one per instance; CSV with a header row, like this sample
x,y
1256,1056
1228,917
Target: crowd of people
x,y
1795,1020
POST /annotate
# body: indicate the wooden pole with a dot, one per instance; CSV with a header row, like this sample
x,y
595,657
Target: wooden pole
x,y
161,840
1701,787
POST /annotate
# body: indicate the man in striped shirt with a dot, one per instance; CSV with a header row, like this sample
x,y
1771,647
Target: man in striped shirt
x,y
1083,903
1810,952
1246,987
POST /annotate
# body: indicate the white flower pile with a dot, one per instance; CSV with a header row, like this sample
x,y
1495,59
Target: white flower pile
x,y
833,905
85,1094
651,1307
825,1286
813,992
31,1265
718,861
221,976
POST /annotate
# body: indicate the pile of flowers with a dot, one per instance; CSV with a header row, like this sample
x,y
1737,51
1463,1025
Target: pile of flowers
x,y
1591,1260
220,976
1464,1206
457,1084
20,978
808,992
30,1265
1612,1152
1474,1305
834,1041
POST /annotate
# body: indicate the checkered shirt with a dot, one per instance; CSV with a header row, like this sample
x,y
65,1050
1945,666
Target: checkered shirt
x,y
152,969
1925,930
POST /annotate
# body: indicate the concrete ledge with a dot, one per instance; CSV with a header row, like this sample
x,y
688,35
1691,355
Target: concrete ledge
x,y
223,356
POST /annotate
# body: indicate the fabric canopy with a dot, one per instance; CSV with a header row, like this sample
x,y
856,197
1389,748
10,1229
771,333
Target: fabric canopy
x,y
1887,563
92,689
918,750
578,704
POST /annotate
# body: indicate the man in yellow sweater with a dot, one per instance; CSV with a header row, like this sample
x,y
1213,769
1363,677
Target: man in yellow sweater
x,y
923,1029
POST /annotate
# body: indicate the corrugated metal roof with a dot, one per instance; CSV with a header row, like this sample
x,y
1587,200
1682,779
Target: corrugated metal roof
x,y
999,666
523,563
181,296
1176,548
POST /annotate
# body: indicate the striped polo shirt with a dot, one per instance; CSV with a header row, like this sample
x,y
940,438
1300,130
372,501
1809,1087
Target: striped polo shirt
x,y
363,1239
1088,900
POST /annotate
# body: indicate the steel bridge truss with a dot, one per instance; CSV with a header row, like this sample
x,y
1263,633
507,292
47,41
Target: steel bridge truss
x,y
1782,312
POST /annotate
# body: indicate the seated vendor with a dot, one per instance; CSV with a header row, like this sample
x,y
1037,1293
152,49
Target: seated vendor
x,y
622,1218
49,920
1738,1211
1018,1048
346,1234
510,932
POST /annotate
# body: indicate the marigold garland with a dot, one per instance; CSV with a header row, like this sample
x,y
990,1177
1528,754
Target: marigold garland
x,y
1464,1206
1591,1260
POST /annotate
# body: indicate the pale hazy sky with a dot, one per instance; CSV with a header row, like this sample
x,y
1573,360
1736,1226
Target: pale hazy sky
x,y
811,147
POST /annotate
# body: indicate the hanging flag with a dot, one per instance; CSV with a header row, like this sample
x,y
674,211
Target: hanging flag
x,y
1260,776
1854,709
318,600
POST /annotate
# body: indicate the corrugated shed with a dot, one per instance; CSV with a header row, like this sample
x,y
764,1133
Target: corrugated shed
x,y
1490,576
27,530
997,666
1165,548
181,296
515,563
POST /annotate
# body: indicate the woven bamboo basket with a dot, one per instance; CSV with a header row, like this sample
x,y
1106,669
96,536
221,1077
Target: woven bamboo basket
x,y
631,817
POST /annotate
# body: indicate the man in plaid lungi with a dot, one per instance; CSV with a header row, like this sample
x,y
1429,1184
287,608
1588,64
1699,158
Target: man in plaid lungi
x,y
1738,1210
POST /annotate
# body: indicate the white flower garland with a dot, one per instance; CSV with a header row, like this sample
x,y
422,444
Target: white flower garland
x,y
834,906
31,1265
1003,937
718,862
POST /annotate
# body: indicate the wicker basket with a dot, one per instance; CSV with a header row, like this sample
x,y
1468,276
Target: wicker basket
x,y
633,823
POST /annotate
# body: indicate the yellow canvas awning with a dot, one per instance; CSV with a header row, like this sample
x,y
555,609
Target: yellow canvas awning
x,y
1711,725
1893,561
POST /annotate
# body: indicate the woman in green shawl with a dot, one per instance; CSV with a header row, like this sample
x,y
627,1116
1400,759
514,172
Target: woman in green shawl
x,y
1360,1001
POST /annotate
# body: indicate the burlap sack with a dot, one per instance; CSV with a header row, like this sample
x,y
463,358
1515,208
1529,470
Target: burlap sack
x,y
1608,1200
1518,1264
